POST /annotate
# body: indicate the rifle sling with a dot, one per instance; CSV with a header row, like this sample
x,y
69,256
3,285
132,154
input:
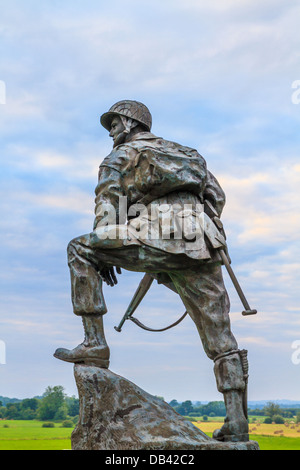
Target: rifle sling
x,y
144,327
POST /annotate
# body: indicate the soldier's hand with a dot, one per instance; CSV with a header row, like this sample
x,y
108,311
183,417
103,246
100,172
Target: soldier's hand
x,y
108,275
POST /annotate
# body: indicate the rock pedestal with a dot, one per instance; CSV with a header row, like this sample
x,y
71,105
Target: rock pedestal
x,y
115,414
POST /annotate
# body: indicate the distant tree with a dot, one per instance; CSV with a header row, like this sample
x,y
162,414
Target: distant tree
x,y
185,408
272,409
268,420
12,411
216,407
256,412
278,419
48,425
298,417
161,398
28,408
62,412
30,403
52,401
28,414
174,403
25,409
73,406
68,423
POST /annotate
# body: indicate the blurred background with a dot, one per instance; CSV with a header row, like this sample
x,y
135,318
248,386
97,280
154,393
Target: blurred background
x,y
221,77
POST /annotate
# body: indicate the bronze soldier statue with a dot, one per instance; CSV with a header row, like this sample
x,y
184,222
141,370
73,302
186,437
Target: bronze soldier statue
x,y
156,174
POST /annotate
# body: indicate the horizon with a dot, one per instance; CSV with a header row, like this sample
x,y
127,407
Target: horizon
x,y
279,401
219,77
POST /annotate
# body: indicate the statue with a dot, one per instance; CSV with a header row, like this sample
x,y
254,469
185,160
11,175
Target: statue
x,y
167,233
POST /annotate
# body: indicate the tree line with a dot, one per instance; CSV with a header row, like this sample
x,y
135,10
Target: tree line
x,y
53,405
186,408
272,411
56,405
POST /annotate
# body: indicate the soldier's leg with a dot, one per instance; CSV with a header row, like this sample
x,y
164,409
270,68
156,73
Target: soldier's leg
x,y
86,259
88,302
204,295
205,298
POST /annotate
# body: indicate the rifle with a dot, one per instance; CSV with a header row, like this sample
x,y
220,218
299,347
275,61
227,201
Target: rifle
x,y
212,214
140,293
216,235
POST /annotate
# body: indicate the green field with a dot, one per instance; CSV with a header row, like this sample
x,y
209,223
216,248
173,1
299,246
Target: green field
x,y
276,443
30,435
266,442
268,436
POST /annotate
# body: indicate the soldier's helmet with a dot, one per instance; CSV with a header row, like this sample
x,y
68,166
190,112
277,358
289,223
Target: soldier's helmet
x,y
130,109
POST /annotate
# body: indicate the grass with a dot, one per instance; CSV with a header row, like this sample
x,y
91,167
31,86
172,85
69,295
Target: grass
x,y
276,443
268,436
38,444
30,435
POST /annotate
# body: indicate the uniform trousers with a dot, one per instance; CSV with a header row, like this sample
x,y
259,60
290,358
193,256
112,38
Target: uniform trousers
x,y
199,284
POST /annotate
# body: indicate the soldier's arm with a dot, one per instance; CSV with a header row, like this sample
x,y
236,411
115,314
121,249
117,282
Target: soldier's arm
x,y
214,193
108,191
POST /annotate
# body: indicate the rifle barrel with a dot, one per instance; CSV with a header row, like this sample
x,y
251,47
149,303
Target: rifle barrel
x,y
247,310
140,293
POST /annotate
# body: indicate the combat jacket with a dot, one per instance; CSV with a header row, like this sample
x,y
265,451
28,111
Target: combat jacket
x,y
165,185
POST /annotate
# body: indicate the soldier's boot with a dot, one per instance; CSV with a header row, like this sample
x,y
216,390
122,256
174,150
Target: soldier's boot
x,y
93,350
231,370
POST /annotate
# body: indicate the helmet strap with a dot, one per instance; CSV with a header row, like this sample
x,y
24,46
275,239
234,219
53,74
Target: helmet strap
x,y
128,123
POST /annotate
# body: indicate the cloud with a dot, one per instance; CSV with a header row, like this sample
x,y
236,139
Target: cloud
x,y
99,49
261,342
216,76
264,206
253,8
79,162
73,200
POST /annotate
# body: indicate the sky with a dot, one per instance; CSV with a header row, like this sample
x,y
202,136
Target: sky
x,y
221,77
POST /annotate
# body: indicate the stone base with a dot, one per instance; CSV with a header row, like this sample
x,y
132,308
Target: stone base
x,y
116,414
